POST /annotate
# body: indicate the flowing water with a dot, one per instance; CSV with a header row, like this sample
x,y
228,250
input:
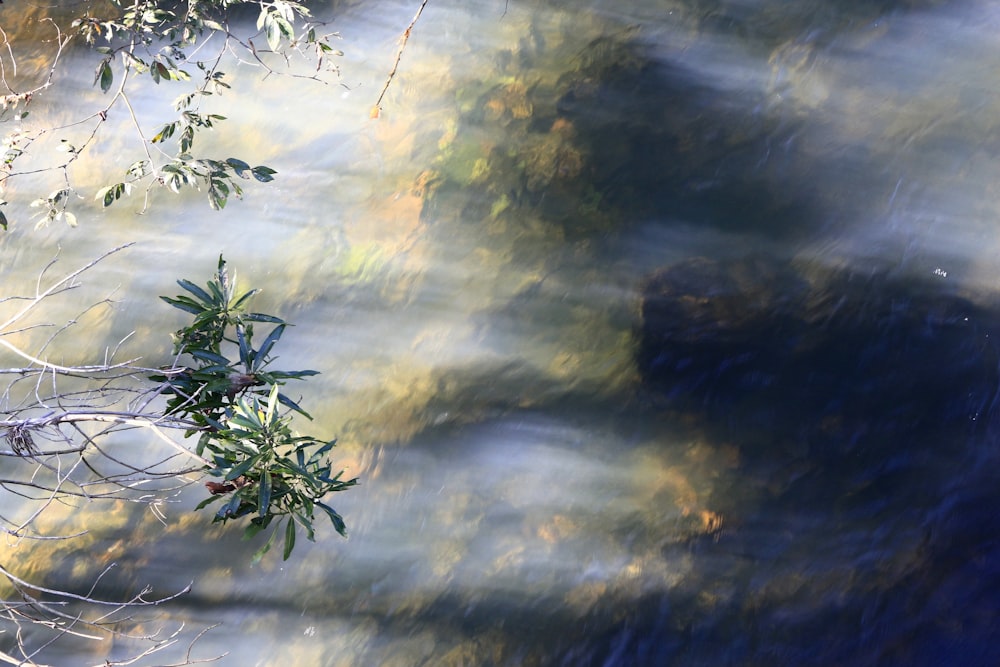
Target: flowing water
x,y
779,451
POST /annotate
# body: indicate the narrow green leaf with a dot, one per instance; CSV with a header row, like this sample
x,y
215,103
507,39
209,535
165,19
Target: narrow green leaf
x,y
264,549
261,317
205,318
289,538
206,355
324,449
220,298
272,31
165,133
216,199
240,420
264,494
335,519
242,468
266,346
194,310
246,352
272,404
207,501
239,301
252,529
289,403
197,291
306,523
291,375
230,509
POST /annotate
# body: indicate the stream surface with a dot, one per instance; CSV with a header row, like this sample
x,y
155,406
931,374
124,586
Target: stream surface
x,y
658,333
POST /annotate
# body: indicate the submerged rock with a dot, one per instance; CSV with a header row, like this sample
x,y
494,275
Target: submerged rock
x,y
862,406
828,362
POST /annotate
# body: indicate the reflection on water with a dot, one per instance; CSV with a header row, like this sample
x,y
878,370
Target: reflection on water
x,y
786,461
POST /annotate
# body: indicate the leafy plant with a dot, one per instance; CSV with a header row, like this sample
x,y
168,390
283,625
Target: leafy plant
x,y
172,43
243,419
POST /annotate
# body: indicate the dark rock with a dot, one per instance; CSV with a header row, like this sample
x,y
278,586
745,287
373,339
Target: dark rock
x,y
826,360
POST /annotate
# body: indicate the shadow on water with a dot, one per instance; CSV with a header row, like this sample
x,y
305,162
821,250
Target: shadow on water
x,y
628,130
859,524
864,408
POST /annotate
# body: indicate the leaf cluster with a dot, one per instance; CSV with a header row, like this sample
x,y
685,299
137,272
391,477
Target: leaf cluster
x,y
174,43
233,399
268,473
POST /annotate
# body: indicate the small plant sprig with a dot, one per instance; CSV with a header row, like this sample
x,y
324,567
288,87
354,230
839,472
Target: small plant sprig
x,y
243,418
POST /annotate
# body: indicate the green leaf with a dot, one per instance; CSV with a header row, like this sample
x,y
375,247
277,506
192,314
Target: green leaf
x,y
289,403
291,375
272,31
246,352
138,169
261,317
217,198
264,549
306,523
239,166
159,71
208,501
3,221
252,529
242,468
165,133
197,291
106,194
263,174
324,449
206,317
188,301
272,404
264,494
335,519
206,355
230,509
104,75
239,302
289,538
266,346
285,27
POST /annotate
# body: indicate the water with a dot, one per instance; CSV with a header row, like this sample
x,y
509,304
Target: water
x,y
807,479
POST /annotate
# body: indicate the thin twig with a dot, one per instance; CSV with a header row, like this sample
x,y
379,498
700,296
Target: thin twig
x,y
399,54
136,601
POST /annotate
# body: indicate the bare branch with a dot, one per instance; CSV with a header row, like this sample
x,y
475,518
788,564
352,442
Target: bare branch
x,y
399,55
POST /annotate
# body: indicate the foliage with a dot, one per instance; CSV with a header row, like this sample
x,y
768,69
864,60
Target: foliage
x,y
68,442
183,43
235,405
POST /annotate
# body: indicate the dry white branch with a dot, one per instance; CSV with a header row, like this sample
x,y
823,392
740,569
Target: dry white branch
x,y
63,425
